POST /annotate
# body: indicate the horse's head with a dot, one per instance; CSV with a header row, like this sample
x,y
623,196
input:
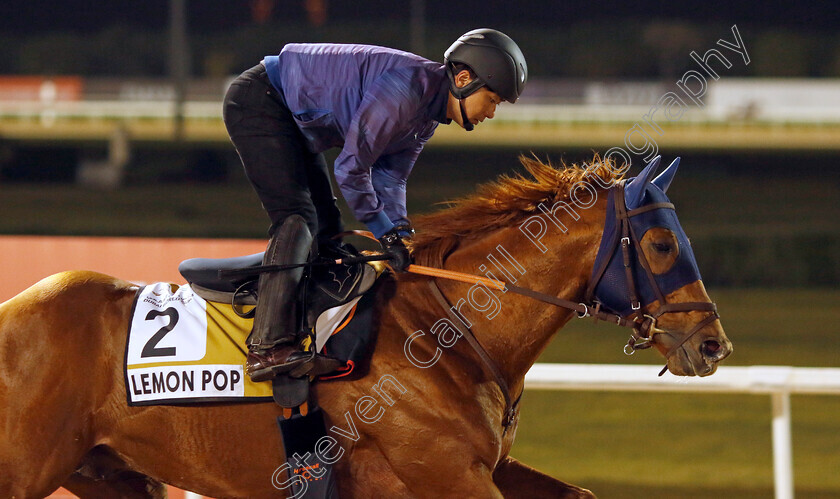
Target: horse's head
x,y
646,270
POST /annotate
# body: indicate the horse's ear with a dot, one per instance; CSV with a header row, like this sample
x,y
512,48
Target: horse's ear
x,y
663,181
635,190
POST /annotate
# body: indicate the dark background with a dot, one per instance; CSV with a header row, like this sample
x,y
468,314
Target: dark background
x,y
763,223
641,40
38,16
756,217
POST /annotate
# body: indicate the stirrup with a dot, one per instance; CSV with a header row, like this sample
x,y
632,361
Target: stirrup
x,y
298,365
295,360
317,365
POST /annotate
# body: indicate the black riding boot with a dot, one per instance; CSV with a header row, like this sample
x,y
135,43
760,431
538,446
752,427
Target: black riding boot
x,y
273,342
273,345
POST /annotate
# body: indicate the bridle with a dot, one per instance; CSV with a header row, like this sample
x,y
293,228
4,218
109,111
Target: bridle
x,y
643,329
642,324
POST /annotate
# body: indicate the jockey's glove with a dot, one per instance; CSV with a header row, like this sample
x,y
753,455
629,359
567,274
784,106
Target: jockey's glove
x,y
394,247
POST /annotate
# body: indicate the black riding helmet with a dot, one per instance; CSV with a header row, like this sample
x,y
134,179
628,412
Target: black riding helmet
x,y
494,58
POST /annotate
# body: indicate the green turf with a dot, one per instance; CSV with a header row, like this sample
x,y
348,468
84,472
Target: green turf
x,y
708,204
787,327
619,445
184,211
692,445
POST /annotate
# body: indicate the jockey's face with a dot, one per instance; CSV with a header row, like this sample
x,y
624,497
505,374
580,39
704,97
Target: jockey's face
x,y
480,105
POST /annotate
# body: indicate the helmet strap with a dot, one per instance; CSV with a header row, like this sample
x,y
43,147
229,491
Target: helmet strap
x,y
467,124
465,91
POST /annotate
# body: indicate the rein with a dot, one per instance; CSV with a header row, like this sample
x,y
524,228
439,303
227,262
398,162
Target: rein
x,y
640,338
510,405
642,325
582,309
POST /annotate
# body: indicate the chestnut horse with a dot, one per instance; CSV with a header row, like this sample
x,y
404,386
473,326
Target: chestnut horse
x,y
425,421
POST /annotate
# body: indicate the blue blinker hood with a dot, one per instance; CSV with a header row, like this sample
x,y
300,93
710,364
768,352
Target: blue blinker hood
x,y
612,287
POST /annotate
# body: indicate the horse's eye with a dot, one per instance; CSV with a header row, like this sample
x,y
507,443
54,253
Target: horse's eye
x,y
662,247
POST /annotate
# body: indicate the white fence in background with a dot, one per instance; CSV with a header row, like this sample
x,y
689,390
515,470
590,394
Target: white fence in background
x,y
777,381
729,100
524,114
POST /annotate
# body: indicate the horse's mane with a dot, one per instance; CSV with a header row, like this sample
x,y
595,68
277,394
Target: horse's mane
x,y
501,203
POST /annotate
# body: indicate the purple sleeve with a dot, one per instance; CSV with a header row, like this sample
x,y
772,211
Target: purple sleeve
x,y
384,116
389,176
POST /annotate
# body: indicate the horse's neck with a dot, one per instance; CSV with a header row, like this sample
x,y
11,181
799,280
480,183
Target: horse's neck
x,y
520,330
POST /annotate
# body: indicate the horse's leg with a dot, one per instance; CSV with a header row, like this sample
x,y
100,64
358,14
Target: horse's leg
x,y
515,479
57,350
125,487
104,475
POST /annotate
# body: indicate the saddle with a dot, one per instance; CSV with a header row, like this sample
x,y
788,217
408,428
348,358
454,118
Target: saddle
x,y
323,287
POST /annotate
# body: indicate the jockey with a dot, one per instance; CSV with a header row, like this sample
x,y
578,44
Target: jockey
x,y
380,106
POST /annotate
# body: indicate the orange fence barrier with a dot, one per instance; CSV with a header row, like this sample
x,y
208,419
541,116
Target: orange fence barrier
x,y
25,260
40,89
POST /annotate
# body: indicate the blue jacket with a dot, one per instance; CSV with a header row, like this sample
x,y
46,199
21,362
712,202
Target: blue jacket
x,y
379,105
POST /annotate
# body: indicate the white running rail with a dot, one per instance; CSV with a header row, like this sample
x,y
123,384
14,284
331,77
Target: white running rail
x,y
777,381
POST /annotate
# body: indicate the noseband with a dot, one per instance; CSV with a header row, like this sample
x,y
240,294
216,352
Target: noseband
x,y
643,324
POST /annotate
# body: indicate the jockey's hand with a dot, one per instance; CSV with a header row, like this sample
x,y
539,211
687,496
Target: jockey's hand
x,y
394,247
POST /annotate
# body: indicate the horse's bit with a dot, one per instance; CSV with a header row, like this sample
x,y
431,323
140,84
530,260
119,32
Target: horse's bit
x,y
641,324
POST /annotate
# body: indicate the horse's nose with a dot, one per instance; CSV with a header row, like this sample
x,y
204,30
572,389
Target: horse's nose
x,y
715,351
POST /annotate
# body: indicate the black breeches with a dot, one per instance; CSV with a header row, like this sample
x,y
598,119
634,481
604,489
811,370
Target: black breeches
x,y
286,175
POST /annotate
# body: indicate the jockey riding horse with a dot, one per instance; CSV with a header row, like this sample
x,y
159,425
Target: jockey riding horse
x,y
380,106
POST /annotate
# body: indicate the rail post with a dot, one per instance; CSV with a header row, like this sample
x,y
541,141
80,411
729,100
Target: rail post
x,y
782,446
